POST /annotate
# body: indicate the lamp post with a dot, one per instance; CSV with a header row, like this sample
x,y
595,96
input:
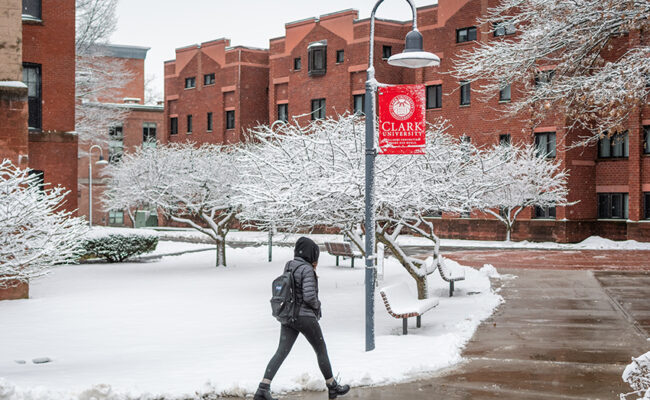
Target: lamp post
x,y
90,178
413,56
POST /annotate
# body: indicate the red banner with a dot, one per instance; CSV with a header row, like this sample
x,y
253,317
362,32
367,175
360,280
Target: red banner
x,y
402,127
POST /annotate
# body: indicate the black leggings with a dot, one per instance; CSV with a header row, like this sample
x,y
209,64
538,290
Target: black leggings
x,y
310,328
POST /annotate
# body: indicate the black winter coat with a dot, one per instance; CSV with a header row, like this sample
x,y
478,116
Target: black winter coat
x,y
306,283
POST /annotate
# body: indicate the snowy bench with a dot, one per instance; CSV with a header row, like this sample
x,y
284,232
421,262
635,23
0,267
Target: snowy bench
x,y
401,303
451,274
341,249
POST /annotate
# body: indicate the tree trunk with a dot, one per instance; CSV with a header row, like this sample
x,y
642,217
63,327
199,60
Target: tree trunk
x,y
420,280
221,253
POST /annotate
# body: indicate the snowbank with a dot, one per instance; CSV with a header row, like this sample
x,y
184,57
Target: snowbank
x,y
180,327
591,243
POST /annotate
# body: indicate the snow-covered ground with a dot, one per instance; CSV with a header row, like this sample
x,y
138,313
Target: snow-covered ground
x,y
181,327
592,243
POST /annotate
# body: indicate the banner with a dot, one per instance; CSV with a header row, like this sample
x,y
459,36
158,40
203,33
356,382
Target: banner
x,y
402,127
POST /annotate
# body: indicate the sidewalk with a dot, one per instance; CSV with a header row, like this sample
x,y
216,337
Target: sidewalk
x,y
559,335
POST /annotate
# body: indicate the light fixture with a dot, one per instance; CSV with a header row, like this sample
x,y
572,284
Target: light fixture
x,y
101,161
413,55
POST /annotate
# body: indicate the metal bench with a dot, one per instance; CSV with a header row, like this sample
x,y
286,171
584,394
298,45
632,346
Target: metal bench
x,y
451,274
401,303
341,249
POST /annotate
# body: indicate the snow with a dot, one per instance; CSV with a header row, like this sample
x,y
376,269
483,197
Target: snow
x,y
97,232
402,301
13,84
262,237
180,327
451,269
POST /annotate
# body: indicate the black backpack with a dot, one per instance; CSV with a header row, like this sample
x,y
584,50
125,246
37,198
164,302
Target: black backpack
x,y
284,303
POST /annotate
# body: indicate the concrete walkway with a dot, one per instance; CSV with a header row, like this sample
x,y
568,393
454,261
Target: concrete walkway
x,y
559,335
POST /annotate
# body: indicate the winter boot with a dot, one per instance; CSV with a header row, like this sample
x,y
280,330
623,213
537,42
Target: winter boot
x,y
336,390
263,392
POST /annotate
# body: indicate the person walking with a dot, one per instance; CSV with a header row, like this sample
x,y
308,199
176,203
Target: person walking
x,y
303,265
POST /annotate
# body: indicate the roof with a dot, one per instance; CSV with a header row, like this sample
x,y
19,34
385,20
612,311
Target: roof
x,y
121,51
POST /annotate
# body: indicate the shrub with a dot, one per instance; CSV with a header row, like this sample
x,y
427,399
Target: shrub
x,y
117,245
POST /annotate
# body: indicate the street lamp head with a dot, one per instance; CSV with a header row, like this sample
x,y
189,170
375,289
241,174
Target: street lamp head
x,y
101,161
413,55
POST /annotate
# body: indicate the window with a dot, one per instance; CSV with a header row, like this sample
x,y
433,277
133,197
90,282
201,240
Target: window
x,y
209,127
115,144
317,58
359,101
173,125
504,140
340,56
615,146
466,34
190,82
434,96
612,205
504,93
208,79
544,212
543,77
318,109
386,52
32,78
189,123
646,140
283,112
646,203
116,217
504,28
149,135
39,180
32,8
297,64
230,119
464,93
545,144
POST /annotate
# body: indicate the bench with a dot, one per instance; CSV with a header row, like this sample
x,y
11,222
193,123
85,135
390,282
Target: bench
x,y
341,249
451,273
401,303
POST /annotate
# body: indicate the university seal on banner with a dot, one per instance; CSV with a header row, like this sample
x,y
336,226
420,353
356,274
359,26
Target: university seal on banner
x,y
402,107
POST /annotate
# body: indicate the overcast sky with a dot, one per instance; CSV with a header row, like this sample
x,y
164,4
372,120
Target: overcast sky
x,y
165,25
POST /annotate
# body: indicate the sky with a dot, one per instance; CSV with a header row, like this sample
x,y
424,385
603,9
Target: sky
x,y
164,25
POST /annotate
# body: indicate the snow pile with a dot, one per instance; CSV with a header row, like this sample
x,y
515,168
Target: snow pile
x,y
599,243
182,328
489,271
637,374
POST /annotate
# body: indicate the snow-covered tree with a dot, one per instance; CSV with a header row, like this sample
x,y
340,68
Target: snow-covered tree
x,y
190,185
97,77
96,21
35,232
637,374
303,177
586,59
525,179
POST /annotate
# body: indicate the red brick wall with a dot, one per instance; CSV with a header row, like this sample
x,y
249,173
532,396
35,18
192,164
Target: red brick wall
x,y
13,129
134,89
51,44
19,291
55,153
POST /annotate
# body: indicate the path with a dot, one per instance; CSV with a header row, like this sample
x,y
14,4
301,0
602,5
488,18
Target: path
x,y
559,335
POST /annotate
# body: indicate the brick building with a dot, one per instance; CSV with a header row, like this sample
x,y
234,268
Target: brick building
x,y
37,85
214,91
319,68
141,127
